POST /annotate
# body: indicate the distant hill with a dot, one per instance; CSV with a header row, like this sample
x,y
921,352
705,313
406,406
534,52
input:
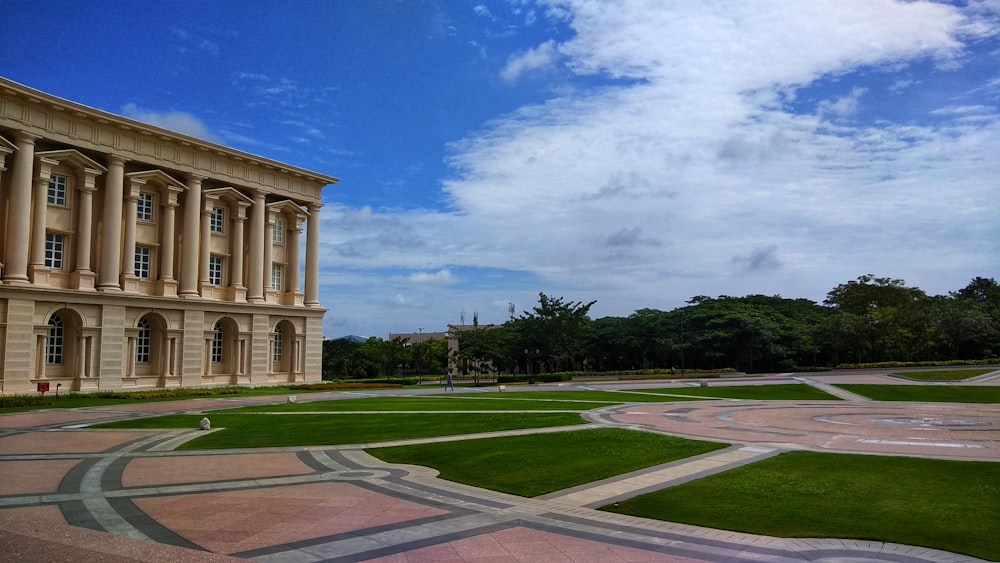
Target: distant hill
x,y
352,338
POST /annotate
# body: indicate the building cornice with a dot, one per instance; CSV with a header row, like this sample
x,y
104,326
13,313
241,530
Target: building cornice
x,y
52,117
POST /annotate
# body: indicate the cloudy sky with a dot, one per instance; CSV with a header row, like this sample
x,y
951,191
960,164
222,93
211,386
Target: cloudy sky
x,y
637,153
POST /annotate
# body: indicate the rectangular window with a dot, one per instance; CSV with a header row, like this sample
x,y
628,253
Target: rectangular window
x,y
217,220
54,244
217,346
278,231
143,256
144,211
215,270
277,347
57,190
276,272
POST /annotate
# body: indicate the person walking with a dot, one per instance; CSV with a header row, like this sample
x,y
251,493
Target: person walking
x,y
448,384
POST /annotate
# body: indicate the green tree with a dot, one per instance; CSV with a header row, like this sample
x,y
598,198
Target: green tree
x,y
559,330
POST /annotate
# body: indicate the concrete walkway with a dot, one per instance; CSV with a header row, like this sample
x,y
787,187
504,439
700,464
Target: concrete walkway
x,y
73,493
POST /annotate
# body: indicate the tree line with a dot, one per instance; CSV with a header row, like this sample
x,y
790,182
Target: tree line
x,y
867,320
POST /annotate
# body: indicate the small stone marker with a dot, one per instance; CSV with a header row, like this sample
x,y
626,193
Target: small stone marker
x,y
205,424
501,387
292,399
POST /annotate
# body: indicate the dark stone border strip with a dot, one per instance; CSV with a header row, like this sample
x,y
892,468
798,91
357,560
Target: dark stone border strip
x,y
346,536
661,534
76,514
148,526
312,463
633,544
71,481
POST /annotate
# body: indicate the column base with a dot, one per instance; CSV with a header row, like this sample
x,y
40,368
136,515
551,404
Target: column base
x,y
39,275
236,293
82,279
166,288
130,283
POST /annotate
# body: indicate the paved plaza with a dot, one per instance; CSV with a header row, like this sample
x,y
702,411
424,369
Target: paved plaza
x,y
73,493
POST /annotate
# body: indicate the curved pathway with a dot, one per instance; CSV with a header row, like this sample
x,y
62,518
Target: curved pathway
x,y
65,486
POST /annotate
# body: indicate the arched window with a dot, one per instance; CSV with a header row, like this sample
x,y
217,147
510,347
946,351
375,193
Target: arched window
x,y
217,344
143,341
277,350
54,343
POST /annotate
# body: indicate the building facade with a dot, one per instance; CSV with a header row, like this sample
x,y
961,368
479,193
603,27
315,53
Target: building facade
x,y
134,257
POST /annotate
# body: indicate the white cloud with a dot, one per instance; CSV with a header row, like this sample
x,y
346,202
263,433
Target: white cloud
x,y
178,121
844,106
540,57
440,277
697,175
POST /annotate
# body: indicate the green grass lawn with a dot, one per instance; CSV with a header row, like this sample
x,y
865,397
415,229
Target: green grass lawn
x,y
477,402
779,392
949,505
538,464
944,375
926,393
596,396
264,431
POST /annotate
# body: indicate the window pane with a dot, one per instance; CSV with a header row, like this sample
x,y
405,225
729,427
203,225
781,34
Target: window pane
x,y
57,190
53,251
144,211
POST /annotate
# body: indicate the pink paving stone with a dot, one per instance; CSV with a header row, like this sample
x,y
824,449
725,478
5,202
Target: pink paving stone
x,y
40,534
48,514
261,518
938,429
48,418
35,476
69,442
153,471
523,545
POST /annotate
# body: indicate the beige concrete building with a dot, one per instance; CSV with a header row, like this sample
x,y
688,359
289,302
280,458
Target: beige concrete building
x,y
134,257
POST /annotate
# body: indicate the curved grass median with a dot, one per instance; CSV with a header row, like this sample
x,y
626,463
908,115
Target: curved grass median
x,y
278,430
495,402
944,374
542,463
949,505
926,393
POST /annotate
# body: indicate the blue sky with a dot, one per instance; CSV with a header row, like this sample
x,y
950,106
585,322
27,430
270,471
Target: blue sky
x,y
630,152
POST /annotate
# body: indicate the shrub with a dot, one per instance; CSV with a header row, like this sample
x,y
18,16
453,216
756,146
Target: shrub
x,y
879,365
15,401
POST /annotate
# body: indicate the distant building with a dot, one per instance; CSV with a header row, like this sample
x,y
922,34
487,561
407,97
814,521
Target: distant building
x,y
453,366
135,257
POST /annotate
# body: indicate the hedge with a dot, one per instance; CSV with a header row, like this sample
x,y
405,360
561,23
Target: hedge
x,y
879,365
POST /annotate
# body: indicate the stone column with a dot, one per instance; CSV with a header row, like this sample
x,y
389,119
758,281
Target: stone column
x,y
268,253
109,273
293,254
167,235
128,247
312,256
236,264
40,194
83,274
205,252
19,216
258,217
192,238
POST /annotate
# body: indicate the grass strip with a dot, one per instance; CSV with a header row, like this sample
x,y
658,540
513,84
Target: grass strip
x,y
949,505
266,431
926,393
425,403
778,392
599,396
944,375
542,463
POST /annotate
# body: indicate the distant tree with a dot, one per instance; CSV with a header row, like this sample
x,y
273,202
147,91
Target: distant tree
x,y
559,330
387,355
430,356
